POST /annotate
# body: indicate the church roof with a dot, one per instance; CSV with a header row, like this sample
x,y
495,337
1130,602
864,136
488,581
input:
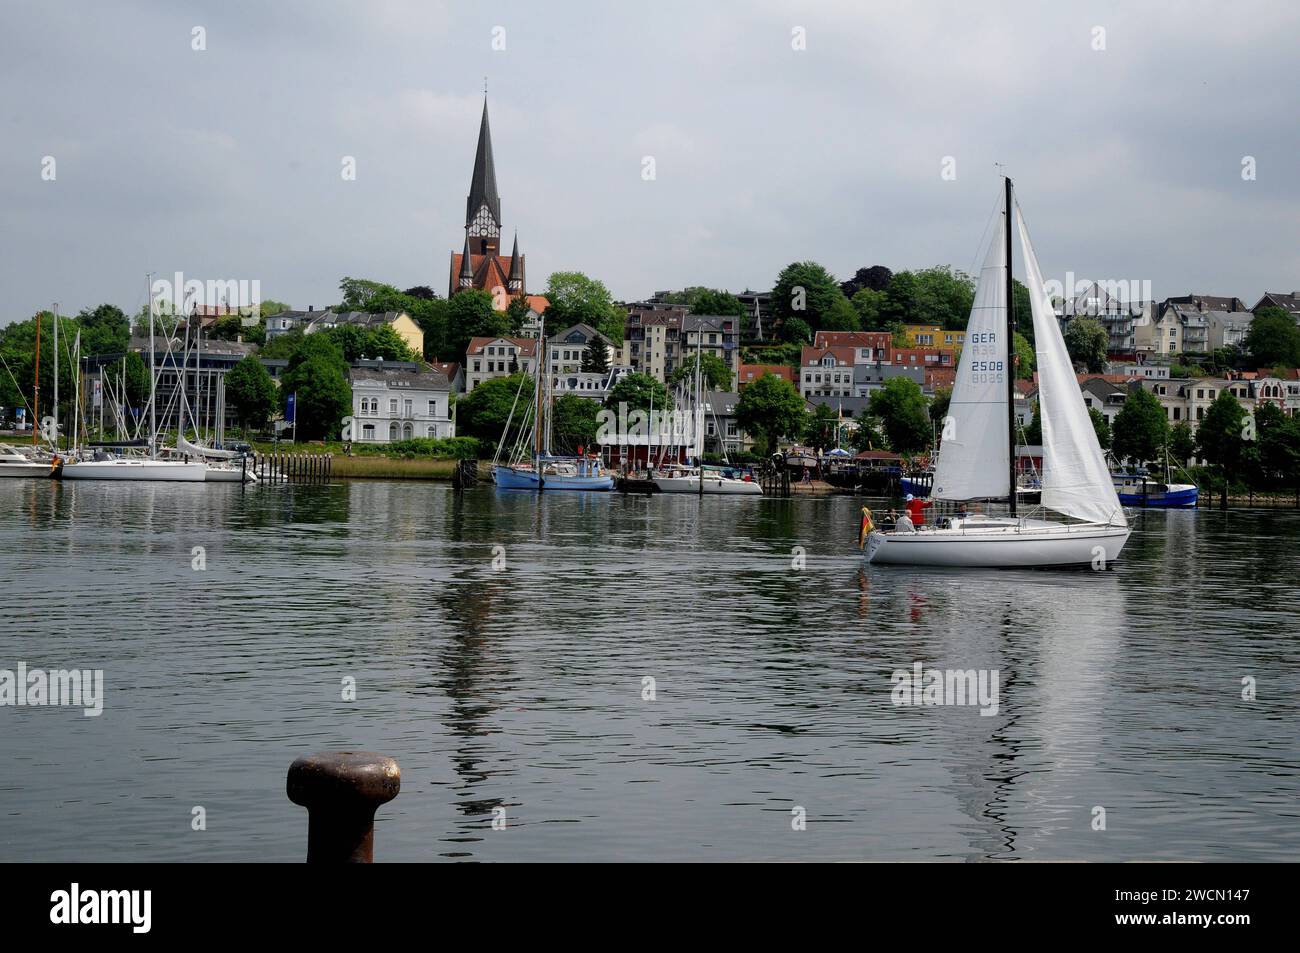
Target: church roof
x,y
483,183
489,271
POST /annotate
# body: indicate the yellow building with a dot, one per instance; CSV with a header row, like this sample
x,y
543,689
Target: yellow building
x,y
934,335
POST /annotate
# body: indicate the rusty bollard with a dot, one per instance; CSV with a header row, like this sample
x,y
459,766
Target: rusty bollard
x,y
341,791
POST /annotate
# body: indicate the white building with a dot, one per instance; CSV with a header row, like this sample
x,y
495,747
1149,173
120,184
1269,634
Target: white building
x,y
399,401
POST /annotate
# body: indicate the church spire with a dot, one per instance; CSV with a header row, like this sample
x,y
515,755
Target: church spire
x,y
483,206
516,278
466,278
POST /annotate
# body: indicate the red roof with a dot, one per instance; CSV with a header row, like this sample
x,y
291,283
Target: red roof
x,y
940,377
842,355
538,303
828,339
490,271
752,372
877,455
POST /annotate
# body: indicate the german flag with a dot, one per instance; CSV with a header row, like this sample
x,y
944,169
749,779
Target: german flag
x,y
867,527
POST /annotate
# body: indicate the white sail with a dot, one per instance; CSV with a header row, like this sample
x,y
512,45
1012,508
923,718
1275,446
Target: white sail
x,y
973,452
195,450
1076,481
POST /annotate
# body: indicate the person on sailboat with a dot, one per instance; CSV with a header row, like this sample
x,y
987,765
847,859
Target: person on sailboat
x,y
916,509
904,524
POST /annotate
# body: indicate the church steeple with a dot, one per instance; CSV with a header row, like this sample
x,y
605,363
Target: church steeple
x,y
483,206
466,278
516,278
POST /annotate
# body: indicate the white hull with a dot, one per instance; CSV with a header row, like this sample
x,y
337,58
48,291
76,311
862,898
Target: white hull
x,y
994,543
228,475
717,486
27,469
135,470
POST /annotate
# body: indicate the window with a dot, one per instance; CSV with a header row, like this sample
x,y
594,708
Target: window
x,y
392,405
1177,413
392,430
477,367
433,431
408,407
1200,413
368,432
433,408
407,432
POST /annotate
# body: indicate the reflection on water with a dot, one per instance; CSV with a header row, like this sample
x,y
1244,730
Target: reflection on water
x,y
520,687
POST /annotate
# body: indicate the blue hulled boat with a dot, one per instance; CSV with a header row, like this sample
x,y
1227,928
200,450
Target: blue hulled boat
x,y
1139,489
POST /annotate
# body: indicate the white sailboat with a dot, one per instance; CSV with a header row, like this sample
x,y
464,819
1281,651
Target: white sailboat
x,y
15,463
977,456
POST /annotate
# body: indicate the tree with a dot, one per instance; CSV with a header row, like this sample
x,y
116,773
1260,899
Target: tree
x,y
282,346
1274,339
1141,428
638,392
104,330
717,375
796,331
712,301
939,405
483,412
1219,438
771,410
876,278
1086,341
807,291
383,342
821,432
1182,443
842,316
470,314
318,374
231,327
1026,359
1100,426
595,359
573,423
869,304
1034,432
577,299
935,295
1277,439
251,393
901,409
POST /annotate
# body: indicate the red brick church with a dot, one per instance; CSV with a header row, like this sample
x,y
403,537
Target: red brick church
x,y
481,265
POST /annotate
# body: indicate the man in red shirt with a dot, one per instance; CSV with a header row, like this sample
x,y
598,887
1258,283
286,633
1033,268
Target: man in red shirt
x,y
916,510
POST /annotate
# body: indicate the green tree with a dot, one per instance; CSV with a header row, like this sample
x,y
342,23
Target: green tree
x,y
318,374
383,342
1141,428
1277,440
842,316
869,305
1100,426
1274,339
1086,341
935,295
469,315
822,428
807,291
901,409
714,302
282,346
637,392
1219,439
595,358
796,331
577,299
573,424
1026,360
1182,443
717,375
939,405
231,327
1034,432
483,412
104,330
251,393
771,410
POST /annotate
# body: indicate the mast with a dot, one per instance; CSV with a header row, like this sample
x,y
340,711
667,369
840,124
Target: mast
x,y
1011,348
153,377
56,375
36,394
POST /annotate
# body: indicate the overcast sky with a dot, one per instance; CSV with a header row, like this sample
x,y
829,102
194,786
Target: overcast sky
x,y
226,162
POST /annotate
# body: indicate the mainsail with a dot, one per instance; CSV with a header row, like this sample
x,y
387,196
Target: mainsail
x,y
1076,481
973,453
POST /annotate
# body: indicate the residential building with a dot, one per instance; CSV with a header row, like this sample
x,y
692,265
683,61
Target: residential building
x,y
868,377
1228,328
1287,301
287,321
399,321
395,400
868,345
721,428
489,358
657,341
1127,322
455,374
934,335
1103,395
827,371
566,348
593,385
1143,371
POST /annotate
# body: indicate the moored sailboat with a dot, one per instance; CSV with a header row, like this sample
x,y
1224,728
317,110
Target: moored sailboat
x,y
977,457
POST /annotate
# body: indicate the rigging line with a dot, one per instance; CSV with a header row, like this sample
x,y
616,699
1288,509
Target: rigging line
x,y
981,249
21,395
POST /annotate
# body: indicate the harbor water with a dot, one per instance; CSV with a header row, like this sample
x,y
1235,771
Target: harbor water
x,y
608,677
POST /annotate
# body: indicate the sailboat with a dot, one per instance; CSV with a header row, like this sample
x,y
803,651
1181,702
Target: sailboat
x,y
110,466
531,465
701,479
977,458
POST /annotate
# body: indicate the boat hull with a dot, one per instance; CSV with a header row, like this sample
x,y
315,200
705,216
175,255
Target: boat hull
x,y
228,475
1175,497
151,470
510,478
29,470
1001,544
713,486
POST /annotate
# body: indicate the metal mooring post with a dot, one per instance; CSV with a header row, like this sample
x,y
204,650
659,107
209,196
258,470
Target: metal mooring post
x,y
341,791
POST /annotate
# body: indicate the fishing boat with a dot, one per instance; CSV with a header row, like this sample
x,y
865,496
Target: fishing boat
x,y
977,460
16,463
531,465
679,479
1137,488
